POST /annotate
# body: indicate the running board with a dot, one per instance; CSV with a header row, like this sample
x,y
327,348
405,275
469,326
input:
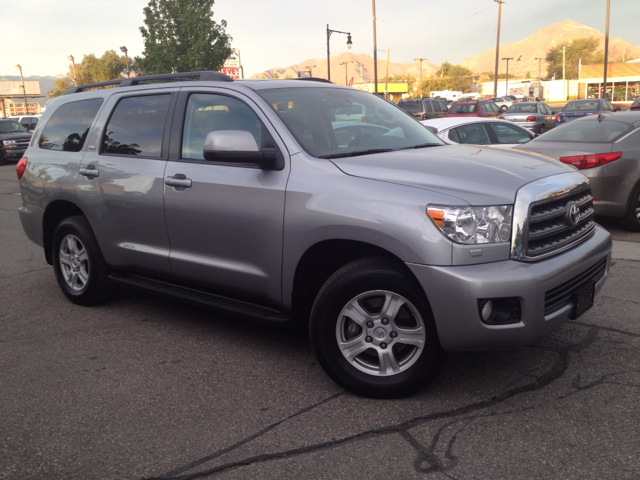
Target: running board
x,y
202,298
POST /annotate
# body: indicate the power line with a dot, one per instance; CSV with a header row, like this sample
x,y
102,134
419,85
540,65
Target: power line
x,y
464,18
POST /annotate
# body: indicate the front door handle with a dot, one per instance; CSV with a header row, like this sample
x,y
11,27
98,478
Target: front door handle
x,y
91,171
178,180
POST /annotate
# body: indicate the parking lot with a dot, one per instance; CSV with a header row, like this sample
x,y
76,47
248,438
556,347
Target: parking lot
x,y
144,387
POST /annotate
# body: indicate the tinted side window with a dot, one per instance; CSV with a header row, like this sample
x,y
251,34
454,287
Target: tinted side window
x,y
472,134
67,128
209,112
136,126
509,134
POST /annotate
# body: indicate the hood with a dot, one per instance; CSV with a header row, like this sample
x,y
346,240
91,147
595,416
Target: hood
x,y
16,136
476,175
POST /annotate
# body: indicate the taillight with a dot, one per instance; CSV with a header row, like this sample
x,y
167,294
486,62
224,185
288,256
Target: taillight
x,y
21,167
424,116
590,161
557,117
531,118
364,119
501,117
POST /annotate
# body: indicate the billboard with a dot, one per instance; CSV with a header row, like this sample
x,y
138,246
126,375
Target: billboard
x,y
232,66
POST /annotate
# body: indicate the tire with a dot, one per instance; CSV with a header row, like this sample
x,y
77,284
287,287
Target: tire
x,y
631,219
504,108
392,355
80,269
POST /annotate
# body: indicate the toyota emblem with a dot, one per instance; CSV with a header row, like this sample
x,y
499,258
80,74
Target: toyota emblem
x,y
573,214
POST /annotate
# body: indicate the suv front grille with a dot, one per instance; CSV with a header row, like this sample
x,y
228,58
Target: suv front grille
x,y
558,297
551,227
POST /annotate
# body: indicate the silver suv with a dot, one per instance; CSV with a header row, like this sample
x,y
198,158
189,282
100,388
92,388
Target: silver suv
x,y
389,246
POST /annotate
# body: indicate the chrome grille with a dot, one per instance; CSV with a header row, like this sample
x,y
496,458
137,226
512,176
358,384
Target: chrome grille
x,y
550,226
558,297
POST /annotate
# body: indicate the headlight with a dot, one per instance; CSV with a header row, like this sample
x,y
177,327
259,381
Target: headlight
x,y
471,225
9,142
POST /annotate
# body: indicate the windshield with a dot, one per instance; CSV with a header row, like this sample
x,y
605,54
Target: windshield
x,y
312,114
11,127
411,107
589,130
584,106
522,108
464,108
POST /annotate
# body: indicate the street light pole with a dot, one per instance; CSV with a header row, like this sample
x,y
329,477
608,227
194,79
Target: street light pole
x,y
606,55
346,69
495,81
349,44
539,68
420,60
507,84
564,82
124,49
24,91
73,69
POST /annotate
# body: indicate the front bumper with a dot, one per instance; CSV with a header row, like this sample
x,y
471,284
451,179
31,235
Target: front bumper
x,y
13,153
453,293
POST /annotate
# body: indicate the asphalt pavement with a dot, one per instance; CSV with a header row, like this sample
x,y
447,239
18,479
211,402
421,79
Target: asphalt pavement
x,y
145,388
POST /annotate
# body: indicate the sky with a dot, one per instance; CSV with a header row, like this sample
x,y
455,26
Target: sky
x,y
40,34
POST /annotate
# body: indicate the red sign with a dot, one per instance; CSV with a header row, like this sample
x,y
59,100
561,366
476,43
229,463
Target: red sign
x,y
233,72
351,82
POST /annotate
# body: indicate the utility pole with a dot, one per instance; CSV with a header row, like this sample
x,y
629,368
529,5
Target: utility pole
x,y
539,68
564,81
495,80
24,91
606,53
375,50
420,60
73,68
506,86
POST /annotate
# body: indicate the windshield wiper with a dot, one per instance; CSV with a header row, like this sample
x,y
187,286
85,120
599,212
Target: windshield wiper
x,y
423,145
356,154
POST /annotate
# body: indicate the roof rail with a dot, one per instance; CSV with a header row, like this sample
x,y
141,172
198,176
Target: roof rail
x,y
145,79
312,79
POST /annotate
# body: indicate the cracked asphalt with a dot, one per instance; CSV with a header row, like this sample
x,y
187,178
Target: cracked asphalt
x,y
148,388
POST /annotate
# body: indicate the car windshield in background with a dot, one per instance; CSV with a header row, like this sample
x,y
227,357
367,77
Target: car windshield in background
x,y
464,108
310,114
522,108
588,131
11,127
586,106
411,107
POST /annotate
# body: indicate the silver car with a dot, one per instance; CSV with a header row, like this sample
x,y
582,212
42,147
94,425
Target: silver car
x,y
535,116
606,149
478,131
389,246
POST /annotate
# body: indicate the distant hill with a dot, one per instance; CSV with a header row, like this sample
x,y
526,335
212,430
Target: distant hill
x,y
46,84
531,47
539,43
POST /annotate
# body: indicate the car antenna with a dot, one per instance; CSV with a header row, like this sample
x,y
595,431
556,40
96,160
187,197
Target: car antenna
x,y
601,117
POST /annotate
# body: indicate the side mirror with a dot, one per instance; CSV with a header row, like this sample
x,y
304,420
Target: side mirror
x,y
239,146
617,109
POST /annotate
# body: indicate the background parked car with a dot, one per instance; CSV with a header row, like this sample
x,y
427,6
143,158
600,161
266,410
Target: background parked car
x,y
582,108
423,108
503,103
535,116
14,140
606,149
635,105
478,131
28,121
474,108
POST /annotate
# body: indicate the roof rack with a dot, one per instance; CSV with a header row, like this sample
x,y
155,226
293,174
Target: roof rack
x,y
312,79
145,79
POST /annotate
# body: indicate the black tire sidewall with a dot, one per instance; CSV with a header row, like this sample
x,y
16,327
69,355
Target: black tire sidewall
x,y
630,220
339,291
97,287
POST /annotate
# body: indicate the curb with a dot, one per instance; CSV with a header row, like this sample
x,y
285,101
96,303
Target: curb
x,y
626,250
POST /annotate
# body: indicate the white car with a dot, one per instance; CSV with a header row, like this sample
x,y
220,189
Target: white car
x,y
27,121
478,131
503,102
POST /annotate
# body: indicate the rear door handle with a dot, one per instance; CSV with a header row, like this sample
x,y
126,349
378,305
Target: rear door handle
x,y
178,180
91,171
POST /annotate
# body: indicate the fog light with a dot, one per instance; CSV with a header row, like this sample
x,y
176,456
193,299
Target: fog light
x,y
499,311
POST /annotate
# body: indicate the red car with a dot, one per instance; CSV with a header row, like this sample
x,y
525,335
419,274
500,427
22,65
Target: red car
x,y
474,108
635,105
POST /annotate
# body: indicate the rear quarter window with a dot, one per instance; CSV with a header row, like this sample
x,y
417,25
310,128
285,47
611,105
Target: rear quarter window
x,y
591,131
69,125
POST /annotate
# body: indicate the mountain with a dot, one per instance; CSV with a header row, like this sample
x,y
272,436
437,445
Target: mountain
x,y
46,84
534,46
361,70
539,43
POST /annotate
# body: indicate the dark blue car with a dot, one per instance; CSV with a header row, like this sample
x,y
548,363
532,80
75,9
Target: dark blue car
x,y
581,108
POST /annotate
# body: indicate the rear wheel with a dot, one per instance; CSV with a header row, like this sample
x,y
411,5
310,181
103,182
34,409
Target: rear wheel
x,y
631,220
503,108
80,269
373,332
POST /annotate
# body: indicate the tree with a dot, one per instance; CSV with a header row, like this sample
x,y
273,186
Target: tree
x,y
583,49
92,69
181,36
457,77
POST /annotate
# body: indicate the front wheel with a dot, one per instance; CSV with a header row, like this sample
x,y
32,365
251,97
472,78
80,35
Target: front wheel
x,y
372,331
80,269
504,108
